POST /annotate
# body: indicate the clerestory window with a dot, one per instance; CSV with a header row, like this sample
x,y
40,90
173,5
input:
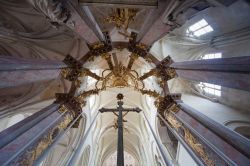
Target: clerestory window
x,y
211,89
212,56
198,29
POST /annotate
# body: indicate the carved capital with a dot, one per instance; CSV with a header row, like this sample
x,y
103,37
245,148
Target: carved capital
x,y
165,73
137,48
73,71
100,48
167,103
62,97
68,103
72,62
74,106
70,74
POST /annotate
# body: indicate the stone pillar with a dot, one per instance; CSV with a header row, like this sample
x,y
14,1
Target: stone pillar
x,y
212,142
8,63
154,28
24,142
228,72
20,71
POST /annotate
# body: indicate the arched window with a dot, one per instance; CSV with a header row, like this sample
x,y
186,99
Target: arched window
x,y
212,56
199,28
210,89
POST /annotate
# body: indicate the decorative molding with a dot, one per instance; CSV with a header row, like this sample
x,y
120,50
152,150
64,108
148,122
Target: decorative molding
x,y
36,150
190,139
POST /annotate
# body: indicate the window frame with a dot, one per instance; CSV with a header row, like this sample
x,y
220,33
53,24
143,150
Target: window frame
x,y
210,89
199,28
215,55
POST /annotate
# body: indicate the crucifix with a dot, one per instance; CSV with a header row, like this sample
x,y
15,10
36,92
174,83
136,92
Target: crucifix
x,y
120,109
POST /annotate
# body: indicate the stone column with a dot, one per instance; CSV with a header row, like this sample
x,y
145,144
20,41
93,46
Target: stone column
x,y
228,72
212,142
20,71
24,142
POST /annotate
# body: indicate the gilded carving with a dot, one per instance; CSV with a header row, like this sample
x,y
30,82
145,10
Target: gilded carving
x,y
65,72
173,121
70,73
122,17
148,59
77,83
97,45
142,46
67,118
120,77
91,58
133,57
62,109
106,56
173,108
171,73
32,154
190,139
150,93
198,148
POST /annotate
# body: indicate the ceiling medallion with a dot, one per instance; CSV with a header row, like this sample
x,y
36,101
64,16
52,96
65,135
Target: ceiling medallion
x,y
122,17
119,77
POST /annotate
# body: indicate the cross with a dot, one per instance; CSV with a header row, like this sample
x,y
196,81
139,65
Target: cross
x,y
120,109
